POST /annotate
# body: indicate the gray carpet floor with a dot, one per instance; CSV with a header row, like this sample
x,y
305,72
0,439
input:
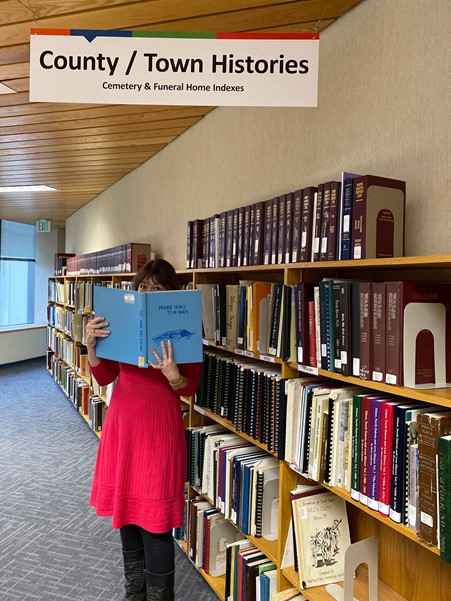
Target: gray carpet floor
x,y
52,545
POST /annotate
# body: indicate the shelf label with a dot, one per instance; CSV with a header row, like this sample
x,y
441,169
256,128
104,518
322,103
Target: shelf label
x,y
200,410
308,369
268,358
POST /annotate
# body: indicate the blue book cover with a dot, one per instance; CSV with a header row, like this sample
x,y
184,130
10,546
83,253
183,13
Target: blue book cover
x,y
139,321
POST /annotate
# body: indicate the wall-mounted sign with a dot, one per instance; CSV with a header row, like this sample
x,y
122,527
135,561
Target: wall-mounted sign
x,y
138,67
43,225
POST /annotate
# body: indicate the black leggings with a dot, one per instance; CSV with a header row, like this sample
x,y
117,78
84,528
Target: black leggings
x,y
158,548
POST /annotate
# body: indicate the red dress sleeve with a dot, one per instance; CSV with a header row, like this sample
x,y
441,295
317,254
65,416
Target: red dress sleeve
x,y
106,372
192,373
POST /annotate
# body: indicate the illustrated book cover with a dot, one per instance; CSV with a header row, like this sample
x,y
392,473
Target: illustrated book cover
x,y
322,537
139,321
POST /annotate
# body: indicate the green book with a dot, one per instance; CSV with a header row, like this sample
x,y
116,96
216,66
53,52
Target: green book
x,y
444,496
356,436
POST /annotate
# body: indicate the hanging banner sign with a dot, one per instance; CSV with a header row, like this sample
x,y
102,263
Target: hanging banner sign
x,y
208,69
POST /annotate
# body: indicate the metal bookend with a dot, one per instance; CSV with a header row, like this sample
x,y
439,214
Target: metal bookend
x,y
364,551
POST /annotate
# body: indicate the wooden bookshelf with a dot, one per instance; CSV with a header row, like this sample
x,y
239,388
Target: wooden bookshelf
x,y
409,570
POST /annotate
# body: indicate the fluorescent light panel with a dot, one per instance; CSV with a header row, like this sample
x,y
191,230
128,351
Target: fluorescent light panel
x,y
27,189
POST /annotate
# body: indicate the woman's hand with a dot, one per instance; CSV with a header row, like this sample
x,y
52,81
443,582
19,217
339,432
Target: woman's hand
x,y
95,330
167,365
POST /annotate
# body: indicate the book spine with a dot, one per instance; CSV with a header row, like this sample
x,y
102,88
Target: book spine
x,y
355,442
267,232
275,230
142,355
364,450
385,465
325,219
332,242
289,219
378,310
297,216
374,455
316,238
393,335
282,226
444,496
346,220
358,218
308,196
365,330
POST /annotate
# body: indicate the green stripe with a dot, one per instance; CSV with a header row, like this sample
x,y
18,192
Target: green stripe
x,y
172,34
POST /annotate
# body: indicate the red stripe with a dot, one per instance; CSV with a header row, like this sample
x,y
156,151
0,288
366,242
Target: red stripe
x,y
41,31
266,36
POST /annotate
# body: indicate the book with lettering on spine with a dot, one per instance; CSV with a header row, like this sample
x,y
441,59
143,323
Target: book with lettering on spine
x,y
140,321
444,496
378,207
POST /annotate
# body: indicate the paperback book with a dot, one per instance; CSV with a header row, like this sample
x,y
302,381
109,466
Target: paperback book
x,y
140,321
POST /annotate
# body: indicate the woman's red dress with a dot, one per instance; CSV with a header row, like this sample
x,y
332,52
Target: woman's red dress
x,y
140,470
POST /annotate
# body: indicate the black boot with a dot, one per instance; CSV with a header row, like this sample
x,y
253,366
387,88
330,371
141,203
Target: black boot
x,y
160,587
135,585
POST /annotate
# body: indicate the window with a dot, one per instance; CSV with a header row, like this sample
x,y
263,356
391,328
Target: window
x,y
17,273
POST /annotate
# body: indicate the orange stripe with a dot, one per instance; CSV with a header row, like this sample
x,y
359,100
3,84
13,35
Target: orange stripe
x,y
43,31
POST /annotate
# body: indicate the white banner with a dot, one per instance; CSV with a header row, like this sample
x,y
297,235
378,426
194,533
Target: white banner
x,y
125,67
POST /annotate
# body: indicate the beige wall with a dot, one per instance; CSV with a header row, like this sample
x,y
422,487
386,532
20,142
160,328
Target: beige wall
x,y
383,109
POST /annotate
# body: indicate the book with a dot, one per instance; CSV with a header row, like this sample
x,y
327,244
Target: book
x,y
208,316
366,346
297,222
334,223
322,537
431,426
345,215
307,216
139,321
378,207
378,309
444,500
418,349
221,533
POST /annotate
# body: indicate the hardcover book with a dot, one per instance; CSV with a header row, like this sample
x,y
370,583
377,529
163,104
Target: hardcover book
x,y
431,426
418,348
141,321
378,208
444,496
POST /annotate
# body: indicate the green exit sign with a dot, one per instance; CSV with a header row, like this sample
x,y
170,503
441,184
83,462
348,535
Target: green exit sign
x,y
43,225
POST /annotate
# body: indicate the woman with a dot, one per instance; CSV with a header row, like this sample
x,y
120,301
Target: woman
x,y
139,477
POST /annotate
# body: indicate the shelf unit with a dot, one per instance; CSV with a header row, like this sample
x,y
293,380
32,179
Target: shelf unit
x,y
409,570
69,296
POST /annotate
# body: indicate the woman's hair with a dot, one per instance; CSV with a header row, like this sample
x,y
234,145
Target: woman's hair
x,y
160,271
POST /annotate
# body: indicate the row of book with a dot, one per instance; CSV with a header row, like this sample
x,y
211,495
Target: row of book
x,y
351,438
240,479
371,330
78,390
124,258
361,216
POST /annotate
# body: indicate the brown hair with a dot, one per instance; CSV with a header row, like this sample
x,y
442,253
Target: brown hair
x,y
160,271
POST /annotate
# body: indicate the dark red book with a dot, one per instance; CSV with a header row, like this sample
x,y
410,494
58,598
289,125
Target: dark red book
x,y
308,202
418,338
332,241
378,208
282,225
297,215
267,238
317,217
325,217
365,329
289,214
378,309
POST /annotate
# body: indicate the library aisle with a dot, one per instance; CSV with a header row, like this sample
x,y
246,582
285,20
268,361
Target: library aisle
x,y
52,545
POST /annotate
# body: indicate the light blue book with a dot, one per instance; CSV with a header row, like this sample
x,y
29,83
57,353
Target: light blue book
x,y
139,321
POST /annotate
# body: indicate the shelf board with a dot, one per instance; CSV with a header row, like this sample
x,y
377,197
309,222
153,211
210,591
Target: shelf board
x,y
319,593
216,583
439,396
224,422
404,530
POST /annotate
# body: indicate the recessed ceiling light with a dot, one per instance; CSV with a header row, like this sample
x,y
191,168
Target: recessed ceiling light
x,y
26,189
5,90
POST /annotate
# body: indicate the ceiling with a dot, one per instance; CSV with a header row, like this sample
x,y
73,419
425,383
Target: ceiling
x,y
82,149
